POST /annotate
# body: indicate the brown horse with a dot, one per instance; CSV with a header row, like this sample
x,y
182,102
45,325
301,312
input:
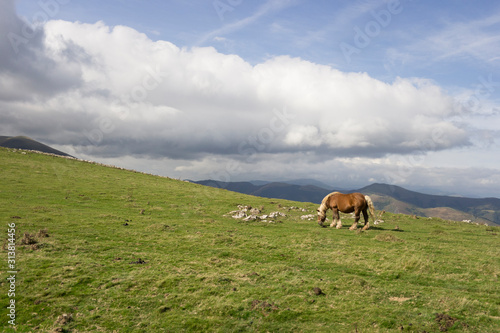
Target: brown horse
x,y
346,203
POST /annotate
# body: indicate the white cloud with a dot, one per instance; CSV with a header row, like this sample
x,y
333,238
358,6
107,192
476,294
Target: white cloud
x,y
162,100
27,68
303,136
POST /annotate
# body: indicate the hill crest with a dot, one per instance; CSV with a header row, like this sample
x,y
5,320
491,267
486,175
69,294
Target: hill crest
x,y
23,142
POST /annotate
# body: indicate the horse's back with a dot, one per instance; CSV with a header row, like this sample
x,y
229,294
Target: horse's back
x,y
358,196
351,201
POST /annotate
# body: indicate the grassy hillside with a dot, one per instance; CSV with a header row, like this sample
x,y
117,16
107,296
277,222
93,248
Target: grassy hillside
x,y
113,250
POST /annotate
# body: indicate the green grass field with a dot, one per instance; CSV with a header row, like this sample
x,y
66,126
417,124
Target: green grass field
x,y
111,250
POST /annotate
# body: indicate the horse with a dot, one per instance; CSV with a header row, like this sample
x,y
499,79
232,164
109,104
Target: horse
x,y
346,203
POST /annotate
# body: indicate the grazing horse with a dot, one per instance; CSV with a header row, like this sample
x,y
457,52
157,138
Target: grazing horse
x,y
346,203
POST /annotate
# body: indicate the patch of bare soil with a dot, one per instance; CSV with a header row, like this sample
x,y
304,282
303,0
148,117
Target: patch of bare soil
x,y
445,321
264,307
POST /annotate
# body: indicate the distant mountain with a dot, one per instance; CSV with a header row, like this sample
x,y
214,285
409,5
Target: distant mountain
x,y
306,193
425,204
390,198
23,142
301,182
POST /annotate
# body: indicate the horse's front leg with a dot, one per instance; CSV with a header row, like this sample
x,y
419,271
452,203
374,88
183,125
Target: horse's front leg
x,y
336,219
356,219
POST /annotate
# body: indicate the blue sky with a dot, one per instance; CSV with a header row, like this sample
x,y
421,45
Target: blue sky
x,y
451,42
347,92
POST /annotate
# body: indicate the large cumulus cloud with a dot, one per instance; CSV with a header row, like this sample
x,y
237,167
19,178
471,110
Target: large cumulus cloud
x,y
112,91
28,70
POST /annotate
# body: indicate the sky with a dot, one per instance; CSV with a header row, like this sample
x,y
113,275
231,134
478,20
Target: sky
x,y
345,92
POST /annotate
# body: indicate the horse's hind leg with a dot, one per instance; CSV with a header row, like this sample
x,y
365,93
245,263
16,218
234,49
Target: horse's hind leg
x,y
356,219
367,222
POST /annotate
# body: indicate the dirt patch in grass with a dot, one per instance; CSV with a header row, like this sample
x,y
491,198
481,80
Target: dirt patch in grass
x,y
445,321
264,307
138,262
33,240
28,239
42,233
399,299
317,291
62,320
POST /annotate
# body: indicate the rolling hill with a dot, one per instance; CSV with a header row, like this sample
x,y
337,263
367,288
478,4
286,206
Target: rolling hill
x,y
102,249
303,193
390,198
23,142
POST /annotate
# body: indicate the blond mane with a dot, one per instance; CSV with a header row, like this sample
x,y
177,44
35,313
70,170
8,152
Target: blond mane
x,y
323,207
325,199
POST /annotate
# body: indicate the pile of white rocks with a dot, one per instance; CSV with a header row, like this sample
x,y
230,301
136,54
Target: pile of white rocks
x,y
295,208
309,217
247,213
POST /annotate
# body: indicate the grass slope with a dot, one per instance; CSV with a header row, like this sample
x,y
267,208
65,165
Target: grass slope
x,y
130,252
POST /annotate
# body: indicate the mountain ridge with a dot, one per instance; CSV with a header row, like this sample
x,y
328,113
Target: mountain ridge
x,y
277,190
391,198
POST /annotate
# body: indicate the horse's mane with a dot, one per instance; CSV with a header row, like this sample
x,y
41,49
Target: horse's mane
x,y
323,206
325,199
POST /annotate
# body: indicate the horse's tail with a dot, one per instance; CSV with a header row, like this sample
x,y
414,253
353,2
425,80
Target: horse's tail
x,y
370,206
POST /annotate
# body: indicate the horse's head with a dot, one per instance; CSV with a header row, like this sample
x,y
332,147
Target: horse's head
x,y
321,215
